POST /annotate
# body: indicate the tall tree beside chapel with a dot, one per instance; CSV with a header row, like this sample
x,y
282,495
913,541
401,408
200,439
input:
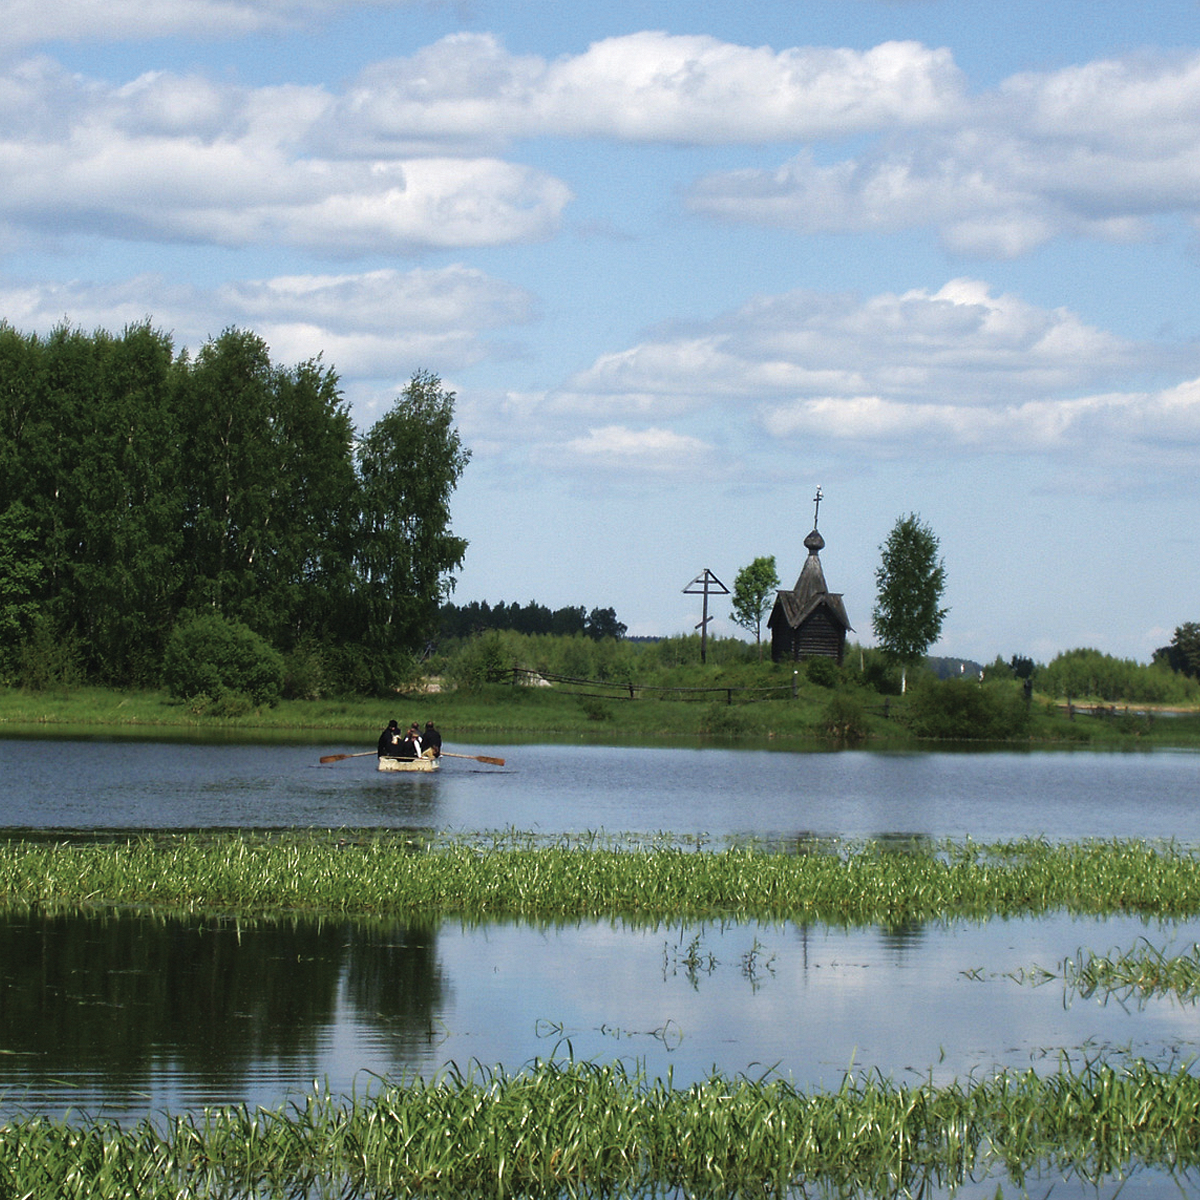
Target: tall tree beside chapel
x,y
753,594
910,581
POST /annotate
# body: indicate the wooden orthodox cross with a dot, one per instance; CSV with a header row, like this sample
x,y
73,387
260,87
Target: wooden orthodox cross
x,y
709,585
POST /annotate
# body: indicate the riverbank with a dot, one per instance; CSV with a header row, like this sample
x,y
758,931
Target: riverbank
x,y
502,713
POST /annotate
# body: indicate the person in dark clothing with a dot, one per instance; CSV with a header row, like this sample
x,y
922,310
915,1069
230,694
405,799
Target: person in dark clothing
x,y
389,741
410,744
432,741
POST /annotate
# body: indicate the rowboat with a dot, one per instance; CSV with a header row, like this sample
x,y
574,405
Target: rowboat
x,y
408,764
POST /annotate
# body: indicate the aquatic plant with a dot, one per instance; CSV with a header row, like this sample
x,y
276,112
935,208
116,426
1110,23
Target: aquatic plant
x,y
518,875
578,1129
1135,974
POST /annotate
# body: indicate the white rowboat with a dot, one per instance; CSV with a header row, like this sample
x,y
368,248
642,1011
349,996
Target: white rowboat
x,y
409,764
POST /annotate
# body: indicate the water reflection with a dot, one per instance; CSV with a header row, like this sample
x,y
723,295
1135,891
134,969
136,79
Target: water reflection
x,y
126,999
129,1014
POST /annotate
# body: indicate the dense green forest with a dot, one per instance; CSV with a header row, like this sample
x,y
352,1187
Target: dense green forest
x,y
456,621
144,492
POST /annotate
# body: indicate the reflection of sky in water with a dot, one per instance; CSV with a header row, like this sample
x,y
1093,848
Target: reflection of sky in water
x,y
809,1003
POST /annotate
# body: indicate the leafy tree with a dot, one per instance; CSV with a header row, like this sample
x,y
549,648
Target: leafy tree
x,y
409,463
753,591
231,460
20,576
602,623
210,655
1022,668
1183,654
910,580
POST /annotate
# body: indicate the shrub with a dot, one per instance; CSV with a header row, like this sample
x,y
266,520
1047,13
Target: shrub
x,y
962,710
482,659
305,673
845,718
48,658
209,655
823,672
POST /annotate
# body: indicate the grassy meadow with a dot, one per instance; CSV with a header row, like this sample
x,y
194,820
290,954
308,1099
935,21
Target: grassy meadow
x,y
722,712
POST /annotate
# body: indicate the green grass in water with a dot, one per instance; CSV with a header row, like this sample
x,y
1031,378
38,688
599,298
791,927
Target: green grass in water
x,y
516,876
576,1129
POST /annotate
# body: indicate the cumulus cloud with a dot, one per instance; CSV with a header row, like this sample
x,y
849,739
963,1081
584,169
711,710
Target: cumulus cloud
x,y
646,87
1094,150
956,370
652,449
960,342
373,325
181,159
406,156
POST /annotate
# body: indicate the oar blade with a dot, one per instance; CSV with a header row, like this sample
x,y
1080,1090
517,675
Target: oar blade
x,y
498,762
328,758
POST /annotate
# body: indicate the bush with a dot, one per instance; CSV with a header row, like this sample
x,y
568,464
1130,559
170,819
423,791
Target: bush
x,y
482,659
211,656
48,659
1087,673
305,672
845,718
823,672
963,710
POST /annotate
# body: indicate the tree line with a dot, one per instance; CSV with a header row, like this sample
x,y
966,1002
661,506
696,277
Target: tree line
x,y
141,488
460,621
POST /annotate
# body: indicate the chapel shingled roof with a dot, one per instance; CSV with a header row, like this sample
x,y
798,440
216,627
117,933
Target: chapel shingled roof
x,y
810,591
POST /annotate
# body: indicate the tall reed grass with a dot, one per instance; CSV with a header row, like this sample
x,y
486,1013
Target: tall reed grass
x,y
514,875
571,1129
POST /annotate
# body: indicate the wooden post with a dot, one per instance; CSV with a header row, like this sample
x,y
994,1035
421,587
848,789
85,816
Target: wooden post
x,y
709,584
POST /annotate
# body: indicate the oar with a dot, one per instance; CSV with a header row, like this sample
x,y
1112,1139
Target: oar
x,y
496,762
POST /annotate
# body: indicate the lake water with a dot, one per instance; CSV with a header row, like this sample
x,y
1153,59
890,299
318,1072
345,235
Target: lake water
x,y
572,788
125,1015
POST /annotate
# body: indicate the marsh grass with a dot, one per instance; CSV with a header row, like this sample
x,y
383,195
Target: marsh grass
x,y
560,1129
1138,974
515,875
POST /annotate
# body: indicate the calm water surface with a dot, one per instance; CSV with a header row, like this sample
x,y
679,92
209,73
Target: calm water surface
x,y
125,1015
563,788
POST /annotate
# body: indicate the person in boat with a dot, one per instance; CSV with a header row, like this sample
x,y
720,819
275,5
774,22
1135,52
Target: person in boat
x,y
432,741
389,741
410,744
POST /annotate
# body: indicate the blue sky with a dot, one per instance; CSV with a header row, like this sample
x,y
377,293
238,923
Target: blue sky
x,y
682,264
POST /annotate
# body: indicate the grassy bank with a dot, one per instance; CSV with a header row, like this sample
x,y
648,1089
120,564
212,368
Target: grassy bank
x,y
514,876
814,716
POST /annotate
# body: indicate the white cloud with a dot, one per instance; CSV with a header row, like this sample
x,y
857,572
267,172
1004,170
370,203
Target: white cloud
x,y
404,157
647,86
33,22
1112,425
179,159
1094,151
960,344
374,325
619,447
956,371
